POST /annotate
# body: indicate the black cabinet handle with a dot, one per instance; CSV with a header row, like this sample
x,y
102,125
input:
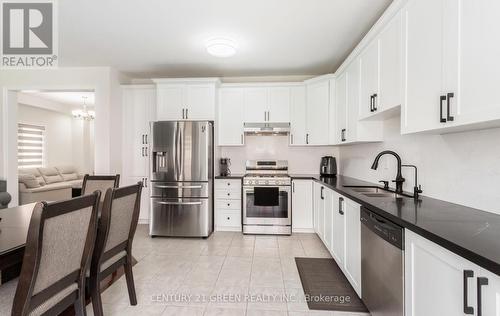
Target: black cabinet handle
x,y
480,283
142,151
146,137
469,310
342,135
321,194
375,102
187,115
371,103
183,116
441,118
143,139
341,201
448,106
307,138
293,187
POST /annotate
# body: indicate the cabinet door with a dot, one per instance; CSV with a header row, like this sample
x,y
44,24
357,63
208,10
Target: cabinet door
x,y
298,113
145,196
200,101
338,230
138,108
434,279
171,102
318,95
332,109
430,62
231,114
352,102
479,64
318,204
490,293
329,208
279,104
341,106
256,105
368,63
302,205
353,244
390,68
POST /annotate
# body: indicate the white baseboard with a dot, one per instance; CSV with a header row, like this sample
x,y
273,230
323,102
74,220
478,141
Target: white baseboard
x,y
302,230
227,229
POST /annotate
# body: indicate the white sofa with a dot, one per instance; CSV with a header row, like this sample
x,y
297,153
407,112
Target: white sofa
x,y
47,184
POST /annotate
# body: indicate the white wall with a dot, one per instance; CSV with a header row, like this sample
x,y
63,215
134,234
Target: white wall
x,y
463,168
301,160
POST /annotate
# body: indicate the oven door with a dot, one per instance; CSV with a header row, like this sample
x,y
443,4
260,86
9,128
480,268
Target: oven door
x,y
274,214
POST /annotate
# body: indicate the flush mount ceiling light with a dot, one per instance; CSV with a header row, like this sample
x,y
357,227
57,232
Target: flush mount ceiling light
x,y
221,47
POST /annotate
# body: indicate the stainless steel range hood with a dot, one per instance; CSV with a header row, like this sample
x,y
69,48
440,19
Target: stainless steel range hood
x,y
266,128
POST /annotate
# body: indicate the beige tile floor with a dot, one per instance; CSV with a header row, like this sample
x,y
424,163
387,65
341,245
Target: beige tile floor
x,y
179,276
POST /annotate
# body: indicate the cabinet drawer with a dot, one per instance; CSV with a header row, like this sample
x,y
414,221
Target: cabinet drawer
x,y
228,194
229,218
228,204
234,184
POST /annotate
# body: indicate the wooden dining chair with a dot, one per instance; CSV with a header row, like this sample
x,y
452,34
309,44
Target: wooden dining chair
x,y
58,251
99,183
115,233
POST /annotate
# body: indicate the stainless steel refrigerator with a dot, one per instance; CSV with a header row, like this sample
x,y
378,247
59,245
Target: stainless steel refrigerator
x,y
182,155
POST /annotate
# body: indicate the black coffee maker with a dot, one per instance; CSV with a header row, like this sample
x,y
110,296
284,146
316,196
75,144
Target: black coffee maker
x,y
224,167
328,167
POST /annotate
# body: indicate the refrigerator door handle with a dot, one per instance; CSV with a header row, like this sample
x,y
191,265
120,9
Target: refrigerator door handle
x,y
179,203
178,187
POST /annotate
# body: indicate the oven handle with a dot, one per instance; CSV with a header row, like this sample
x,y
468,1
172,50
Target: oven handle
x,y
286,188
179,203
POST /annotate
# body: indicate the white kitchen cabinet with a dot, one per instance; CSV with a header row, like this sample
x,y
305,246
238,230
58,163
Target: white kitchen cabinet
x,y
431,62
328,210
318,100
138,111
341,107
298,115
490,293
267,104
353,80
256,105
435,280
353,244
332,109
192,99
338,244
390,66
302,205
231,117
145,195
228,205
279,104
369,79
318,206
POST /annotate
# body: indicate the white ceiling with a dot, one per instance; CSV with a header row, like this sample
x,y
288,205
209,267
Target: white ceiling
x,y
166,38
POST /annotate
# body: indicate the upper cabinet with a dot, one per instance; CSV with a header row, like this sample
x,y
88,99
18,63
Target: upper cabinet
x,y
267,104
369,81
298,113
451,65
231,117
318,107
181,99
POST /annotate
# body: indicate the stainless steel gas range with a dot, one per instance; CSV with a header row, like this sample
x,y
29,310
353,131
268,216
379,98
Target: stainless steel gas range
x,y
267,198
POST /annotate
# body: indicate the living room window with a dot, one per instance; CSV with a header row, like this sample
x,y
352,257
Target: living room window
x,y
30,145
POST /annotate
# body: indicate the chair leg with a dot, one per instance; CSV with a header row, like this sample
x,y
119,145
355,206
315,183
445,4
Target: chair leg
x,y
130,282
79,305
95,294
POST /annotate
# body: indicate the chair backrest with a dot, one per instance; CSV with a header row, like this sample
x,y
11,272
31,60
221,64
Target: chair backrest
x,y
119,217
99,183
59,247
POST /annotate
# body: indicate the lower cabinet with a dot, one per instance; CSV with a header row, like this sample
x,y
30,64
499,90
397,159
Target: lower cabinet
x,y
227,205
441,283
145,196
302,206
337,223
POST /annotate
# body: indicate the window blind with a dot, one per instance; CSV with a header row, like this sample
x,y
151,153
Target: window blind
x,y
30,145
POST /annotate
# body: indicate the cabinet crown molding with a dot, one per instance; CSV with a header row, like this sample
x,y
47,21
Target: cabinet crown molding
x,y
214,80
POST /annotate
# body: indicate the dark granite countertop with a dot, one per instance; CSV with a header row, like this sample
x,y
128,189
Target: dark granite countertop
x,y
468,232
231,176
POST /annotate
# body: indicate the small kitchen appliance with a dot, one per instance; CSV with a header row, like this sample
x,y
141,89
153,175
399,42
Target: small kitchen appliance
x,y
328,166
224,165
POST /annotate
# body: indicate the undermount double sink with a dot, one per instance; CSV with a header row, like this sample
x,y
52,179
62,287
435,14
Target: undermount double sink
x,y
374,191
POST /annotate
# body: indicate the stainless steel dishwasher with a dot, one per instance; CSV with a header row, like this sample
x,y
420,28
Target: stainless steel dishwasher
x,y
382,265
